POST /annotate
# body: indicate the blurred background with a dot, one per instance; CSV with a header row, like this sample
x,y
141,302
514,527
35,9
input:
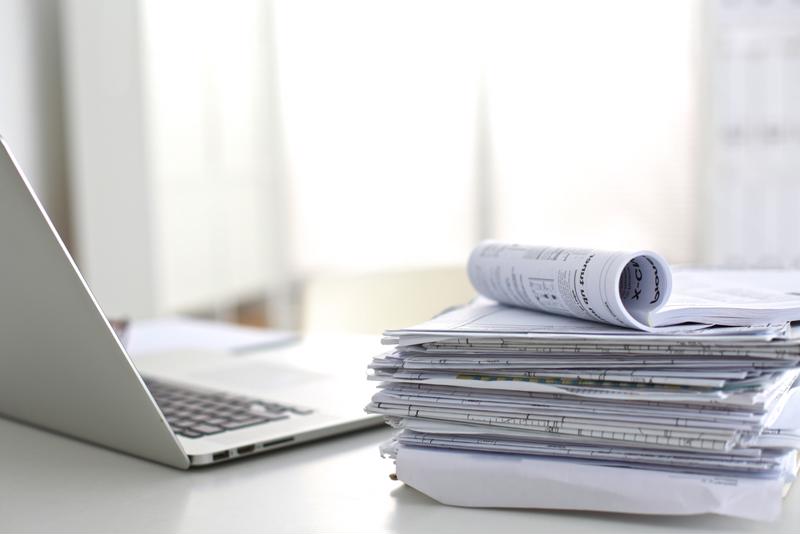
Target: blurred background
x,y
329,165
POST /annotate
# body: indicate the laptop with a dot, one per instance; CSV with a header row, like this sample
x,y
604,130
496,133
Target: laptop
x,y
63,368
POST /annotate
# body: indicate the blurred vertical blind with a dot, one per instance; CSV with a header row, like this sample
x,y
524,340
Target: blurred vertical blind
x,y
300,136
754,133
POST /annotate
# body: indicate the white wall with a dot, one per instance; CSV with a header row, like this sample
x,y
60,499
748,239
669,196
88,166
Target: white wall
x,y
30,98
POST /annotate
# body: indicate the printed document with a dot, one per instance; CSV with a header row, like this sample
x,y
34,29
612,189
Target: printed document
x,y
626,289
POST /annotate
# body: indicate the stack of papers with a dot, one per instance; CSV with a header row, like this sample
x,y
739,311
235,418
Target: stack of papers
x,y
598,395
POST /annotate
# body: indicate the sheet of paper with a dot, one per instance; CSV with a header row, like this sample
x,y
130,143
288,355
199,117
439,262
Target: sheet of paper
x,y
788,352
629,289
788,412
616,288
486,318
747,415
755,397
553,419
517,481
731,297
765,463
785,281
665,415
531,384
728,368
172,333
619,432
447,428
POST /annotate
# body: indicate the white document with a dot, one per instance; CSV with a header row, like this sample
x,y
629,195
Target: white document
x,y
587,389
619,432
764,463
171,333
617,288
727,368
731,297
480,479
446,428
664,416
627,289
787,413
735,415
484,321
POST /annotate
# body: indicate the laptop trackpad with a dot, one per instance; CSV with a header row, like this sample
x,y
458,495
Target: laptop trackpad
x,y
272,375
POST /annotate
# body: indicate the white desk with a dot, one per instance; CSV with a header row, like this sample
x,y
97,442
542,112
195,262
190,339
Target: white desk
x,y
51,483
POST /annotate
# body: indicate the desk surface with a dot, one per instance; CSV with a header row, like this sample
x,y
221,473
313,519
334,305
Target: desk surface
x,y
51,483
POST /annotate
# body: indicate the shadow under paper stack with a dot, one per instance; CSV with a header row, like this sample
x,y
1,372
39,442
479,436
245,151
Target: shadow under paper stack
x,y
586,383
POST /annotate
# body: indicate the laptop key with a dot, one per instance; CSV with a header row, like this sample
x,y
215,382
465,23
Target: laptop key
x,y
216,421
277,408
226,413
205,428
183,423
233,425
241,416
194,413
267,407
261,407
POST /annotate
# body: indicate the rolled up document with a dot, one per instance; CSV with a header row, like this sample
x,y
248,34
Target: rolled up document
x,y
619,288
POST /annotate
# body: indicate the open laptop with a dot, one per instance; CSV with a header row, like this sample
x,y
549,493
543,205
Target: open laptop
x,y
63,368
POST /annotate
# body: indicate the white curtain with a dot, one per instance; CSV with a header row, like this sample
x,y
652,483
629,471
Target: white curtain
x,y
378,101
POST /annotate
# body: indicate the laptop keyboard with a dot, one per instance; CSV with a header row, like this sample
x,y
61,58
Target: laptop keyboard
x,y
194,413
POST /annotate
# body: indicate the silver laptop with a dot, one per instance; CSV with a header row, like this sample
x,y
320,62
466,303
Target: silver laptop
x,y
63,368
